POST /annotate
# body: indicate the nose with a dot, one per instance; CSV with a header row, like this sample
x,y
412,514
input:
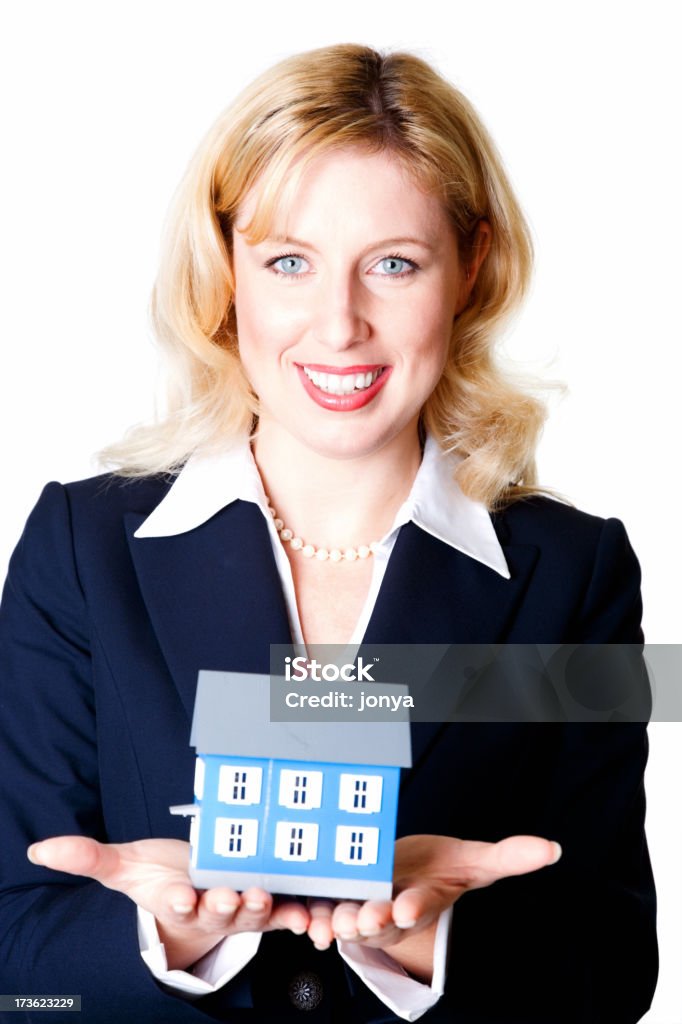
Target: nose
x,y
340,316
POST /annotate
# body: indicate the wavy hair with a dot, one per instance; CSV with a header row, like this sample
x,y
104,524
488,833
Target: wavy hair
x,y
340,96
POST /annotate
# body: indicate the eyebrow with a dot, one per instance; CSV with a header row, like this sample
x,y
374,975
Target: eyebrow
x,y
400,240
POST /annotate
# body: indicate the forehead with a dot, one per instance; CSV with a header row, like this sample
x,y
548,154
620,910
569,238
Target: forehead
x,y
375,189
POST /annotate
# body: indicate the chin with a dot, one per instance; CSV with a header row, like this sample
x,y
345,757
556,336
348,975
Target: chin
x,y
354,442
342,451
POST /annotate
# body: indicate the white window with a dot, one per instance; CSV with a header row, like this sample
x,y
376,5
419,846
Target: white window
x,y
356,844
239,784
360,794
300,789
296,841
235,837
199,776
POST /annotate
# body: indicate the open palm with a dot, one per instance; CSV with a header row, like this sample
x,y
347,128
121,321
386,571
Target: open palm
x,y
154,874
430,874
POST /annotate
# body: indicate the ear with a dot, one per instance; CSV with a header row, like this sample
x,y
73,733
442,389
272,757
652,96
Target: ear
x,y
477,254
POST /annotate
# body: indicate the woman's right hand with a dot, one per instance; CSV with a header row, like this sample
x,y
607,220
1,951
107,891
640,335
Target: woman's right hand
x,y
153,873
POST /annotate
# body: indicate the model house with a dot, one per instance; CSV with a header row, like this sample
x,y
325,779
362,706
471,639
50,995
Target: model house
x,y
295,807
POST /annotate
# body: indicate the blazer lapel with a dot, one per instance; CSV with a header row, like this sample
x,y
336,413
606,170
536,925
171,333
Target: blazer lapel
x,y
433,594
213,595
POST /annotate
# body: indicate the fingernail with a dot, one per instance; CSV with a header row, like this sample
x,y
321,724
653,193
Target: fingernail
x,y
226,908
33,853
558,852
321,946
405,924
368,933
347,936
251,905
181,908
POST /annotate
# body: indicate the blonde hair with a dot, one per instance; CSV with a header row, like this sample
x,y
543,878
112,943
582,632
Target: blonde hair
x,y
340,96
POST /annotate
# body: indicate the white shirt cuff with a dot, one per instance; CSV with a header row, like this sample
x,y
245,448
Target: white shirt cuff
x,y
407,998
208,974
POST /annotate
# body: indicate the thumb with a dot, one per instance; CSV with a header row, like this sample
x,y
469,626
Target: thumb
x,y
516,855
76,855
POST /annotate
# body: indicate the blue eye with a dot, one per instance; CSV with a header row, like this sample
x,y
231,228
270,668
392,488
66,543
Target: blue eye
x,y
395,266
289,266
391,265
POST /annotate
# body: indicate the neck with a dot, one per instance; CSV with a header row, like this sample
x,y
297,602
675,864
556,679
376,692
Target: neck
x,y
335,501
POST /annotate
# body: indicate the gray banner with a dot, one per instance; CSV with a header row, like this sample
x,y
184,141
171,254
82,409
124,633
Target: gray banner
x,y
478,683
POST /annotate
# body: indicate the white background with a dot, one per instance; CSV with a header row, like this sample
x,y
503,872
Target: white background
x,y
103,104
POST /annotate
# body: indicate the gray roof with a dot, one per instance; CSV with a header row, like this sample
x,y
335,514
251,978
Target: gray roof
x,y
232,715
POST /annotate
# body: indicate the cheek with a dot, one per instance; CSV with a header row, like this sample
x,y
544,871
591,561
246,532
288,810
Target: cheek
x,y
265,325
429,323
435,343
249,316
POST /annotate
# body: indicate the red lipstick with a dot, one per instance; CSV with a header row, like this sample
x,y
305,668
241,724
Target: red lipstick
x,y
340,371
343,403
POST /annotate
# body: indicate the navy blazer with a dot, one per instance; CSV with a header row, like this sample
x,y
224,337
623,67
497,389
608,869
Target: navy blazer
x,y
101,639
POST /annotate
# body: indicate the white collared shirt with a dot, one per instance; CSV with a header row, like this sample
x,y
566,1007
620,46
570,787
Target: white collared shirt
x,y
436,504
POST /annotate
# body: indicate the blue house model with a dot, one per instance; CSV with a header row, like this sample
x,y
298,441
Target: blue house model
x,y
302,808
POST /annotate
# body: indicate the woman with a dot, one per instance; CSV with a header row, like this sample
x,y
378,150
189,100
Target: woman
x,y
342,249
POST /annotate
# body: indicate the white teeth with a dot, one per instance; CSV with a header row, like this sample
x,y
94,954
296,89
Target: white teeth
x,y
341,383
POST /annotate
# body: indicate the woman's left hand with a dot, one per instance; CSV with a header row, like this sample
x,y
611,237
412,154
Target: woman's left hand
x,y
430,873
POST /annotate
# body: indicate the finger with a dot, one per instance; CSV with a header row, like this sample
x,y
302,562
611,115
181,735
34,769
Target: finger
x,y
176,904
290,915
516,855
344,920
216,909
375,924
373,917
416,907
254,912
320,926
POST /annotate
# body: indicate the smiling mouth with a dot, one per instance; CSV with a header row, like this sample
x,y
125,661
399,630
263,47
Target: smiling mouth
x,y
343,383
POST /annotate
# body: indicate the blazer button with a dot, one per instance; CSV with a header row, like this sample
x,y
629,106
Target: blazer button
x,y
306,990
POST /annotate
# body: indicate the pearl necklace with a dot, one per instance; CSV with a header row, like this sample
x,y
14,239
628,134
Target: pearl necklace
x,y
321,554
